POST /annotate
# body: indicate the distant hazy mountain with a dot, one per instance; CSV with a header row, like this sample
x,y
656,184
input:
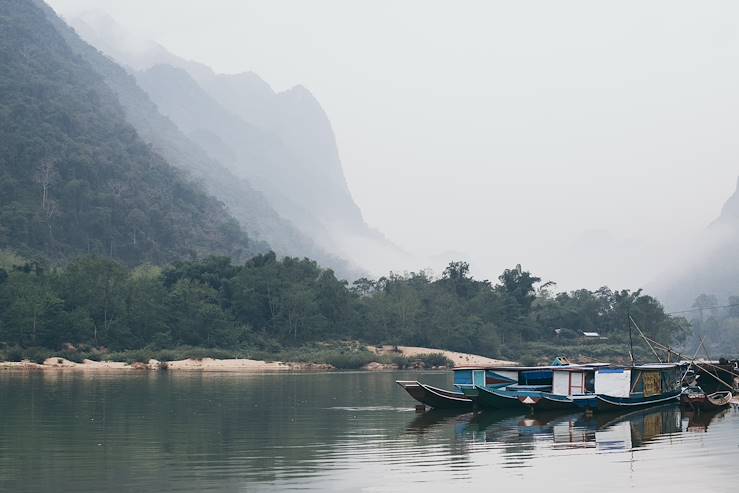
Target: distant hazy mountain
x,y
282,143
730,212
75,176
712,267
248,206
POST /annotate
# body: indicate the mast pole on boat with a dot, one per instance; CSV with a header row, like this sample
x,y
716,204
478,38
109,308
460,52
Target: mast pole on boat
x,y
693,360
716,377
645,338
631,340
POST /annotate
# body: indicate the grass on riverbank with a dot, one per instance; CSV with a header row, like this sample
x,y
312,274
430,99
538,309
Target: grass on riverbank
x,y
341,355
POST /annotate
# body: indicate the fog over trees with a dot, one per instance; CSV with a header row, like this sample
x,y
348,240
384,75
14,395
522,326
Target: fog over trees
x,y
591,142
148,202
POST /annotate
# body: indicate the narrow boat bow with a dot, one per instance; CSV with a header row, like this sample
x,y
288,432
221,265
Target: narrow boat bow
x,y
435,397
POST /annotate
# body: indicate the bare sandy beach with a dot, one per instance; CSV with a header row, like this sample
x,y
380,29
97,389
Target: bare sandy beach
x,y
240,365
459,359
205,364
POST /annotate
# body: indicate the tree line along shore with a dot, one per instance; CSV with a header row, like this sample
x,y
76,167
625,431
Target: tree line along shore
x,y
292,310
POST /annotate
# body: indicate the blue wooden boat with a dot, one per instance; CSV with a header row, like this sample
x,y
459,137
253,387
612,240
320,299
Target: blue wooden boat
x,y
466,380
508,387
603,387
510,397
435,397
630,387
572,389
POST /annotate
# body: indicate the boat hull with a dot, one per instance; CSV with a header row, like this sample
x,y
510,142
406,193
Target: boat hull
x,y
498,399
437,398
608,403
549,402
700,401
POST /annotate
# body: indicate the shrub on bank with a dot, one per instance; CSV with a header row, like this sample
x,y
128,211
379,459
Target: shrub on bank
x,y
37,354
173,354
14,354
435,360
349,360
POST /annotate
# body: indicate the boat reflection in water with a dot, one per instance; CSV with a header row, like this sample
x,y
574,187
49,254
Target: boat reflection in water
x,y
698,421
602,432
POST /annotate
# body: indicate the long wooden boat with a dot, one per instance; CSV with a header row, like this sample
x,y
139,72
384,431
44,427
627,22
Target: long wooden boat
x,y
505,387
465,381
696,399
572,389
435,397
488,398
620,388
560,388
604,387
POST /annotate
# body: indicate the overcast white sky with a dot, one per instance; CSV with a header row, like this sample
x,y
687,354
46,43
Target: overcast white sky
x,y
586,140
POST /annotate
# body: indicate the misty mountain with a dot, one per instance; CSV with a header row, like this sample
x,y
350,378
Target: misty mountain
x,y
76,177
247,205
297,119
249,152
730,212
712,267
282,143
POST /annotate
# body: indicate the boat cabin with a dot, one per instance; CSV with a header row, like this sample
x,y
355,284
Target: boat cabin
x,y
574,380
504,376
638,381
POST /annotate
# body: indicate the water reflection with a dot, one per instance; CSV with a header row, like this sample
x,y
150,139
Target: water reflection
x,y
520,438
325,432
698,422
577,430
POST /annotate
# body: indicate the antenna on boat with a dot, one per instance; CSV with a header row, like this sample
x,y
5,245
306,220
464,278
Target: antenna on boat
x,y
705,363
631,340
646,339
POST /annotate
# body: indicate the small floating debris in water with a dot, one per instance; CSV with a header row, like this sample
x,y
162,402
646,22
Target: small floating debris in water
x,y
372,408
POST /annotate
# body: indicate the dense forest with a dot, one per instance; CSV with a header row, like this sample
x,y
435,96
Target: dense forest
x,y
268,304
75,177
105,247
247,205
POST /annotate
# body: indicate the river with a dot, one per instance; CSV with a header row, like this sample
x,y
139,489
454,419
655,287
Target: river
x,y
354,431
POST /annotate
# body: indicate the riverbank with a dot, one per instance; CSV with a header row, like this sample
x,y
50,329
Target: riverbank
x,y
205,364
251,365
459,359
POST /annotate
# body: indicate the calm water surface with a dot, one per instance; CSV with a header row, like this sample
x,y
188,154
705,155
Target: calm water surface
x,y
333,432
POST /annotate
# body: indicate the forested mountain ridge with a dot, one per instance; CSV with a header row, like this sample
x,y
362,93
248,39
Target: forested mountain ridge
x,y
76,177
291,154
248,206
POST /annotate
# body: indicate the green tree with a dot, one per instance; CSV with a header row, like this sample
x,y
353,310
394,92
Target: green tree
x,y
30,316
97,286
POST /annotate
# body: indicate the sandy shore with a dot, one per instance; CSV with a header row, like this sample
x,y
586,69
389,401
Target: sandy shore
x,y
239,365
459,359
205,364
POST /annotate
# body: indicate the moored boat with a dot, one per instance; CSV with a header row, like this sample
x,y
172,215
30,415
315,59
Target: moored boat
x,y
573,387
435,397
696,399
619,388
465,380
501,398
512,387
